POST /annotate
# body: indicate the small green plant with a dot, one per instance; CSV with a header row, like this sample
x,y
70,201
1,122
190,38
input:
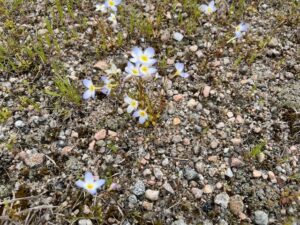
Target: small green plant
x,y
257,149
5,113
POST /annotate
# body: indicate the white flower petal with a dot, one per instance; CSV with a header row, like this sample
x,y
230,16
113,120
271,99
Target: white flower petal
x,y
105,80
152,70
93,191
80,184
117,2
130,109
99,183
142,120
179,67
88,94
184,75
211,4
149,52
203,7
238,34
88,177
136,114
150,62
87,83
128,100
136,52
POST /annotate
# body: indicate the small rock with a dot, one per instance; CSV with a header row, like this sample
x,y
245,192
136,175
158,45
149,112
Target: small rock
x,y
214,144
192,103
102,65
220,125
273,42
138,188
85,222
179,222
177,139
229,172
197,192
100,135
147,205
194,48
152,195
165,36
165,162
236,204
230,114
208,189
199,54
200,167
132,199
74,134
206,91
92,145
177,36
261,218
66,150
190,174
177,98
158,174
35,159
272,177
256,173
147,172
19,124
235,162
176,121
261,157
222,199
236,141
168,188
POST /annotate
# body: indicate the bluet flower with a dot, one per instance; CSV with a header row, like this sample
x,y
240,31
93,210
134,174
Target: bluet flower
x,y
112,4
143,57
100,7
91,89
108,86
142,114
146,70
208,9
132,104
132,70
241,29
90,184
180,70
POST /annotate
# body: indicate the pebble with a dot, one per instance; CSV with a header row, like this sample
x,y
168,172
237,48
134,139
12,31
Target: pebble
x,y
102,65
19,124
200,167
190,174
235,162
177,36
208,189
177,139
177,98
192,103
256,173
206,91
272,177
199,54
194,48
147,172
220,125
132,199
66,150
168,188
214,144
138,188
100,135
197,192
179,222
165,162
152,195
158,174
35,159
236,204
236,141
229,172
147,205
92,145
261,157
85,222
261,218
176,121
222,199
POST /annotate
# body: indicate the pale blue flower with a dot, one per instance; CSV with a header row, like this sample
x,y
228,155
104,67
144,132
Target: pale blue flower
x,y
101,7
180,70
112,4
132,104
208,9
90,184
143,57
132,70
112,18
142,114
91,89
146,70
241,29
106,89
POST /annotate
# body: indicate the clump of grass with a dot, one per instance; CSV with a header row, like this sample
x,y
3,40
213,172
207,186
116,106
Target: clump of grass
x,y
257,149
5,114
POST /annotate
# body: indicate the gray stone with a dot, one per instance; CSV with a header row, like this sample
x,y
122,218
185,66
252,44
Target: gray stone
x,y
177,36
138,188
85,222
261,218
190,174
222,199
158,174
179,222
132,199
19,124
152,195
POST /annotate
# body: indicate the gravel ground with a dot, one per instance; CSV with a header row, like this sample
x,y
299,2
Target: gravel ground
x,y
225,150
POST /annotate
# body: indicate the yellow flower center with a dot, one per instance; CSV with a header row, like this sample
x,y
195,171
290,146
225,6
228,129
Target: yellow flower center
x,y
177,73
209,10
238,28
135,72
144,69
133,104
109,86
111,3
144,58
90,186
92,88
142,113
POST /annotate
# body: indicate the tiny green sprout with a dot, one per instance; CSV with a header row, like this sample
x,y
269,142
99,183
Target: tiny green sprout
x,y
90,184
